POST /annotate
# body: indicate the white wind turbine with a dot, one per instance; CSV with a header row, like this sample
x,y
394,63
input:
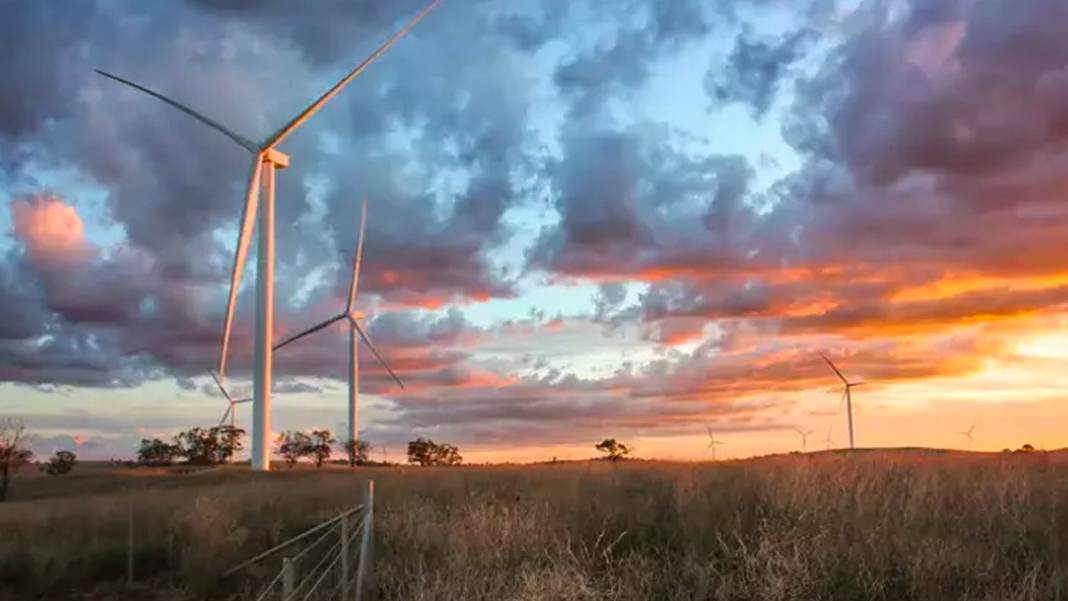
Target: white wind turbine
x,y
830,441
266,160
230,409
712,442
968,434
355,329
804,437
846,395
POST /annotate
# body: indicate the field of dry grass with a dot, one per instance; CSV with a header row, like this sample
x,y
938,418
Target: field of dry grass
x,y
879,525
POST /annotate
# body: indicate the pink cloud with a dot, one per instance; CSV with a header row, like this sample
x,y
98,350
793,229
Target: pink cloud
x,y
51,230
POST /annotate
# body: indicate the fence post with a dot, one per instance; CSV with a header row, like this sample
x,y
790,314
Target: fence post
x,y
345,580
289,580
364,574
129,543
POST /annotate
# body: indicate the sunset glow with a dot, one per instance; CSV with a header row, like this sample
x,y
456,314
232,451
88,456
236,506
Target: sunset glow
x,y
638,221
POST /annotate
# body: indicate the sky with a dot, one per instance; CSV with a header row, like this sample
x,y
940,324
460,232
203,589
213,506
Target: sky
x,y
637,219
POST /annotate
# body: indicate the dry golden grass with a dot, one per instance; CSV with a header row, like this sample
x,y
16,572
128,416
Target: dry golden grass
x,y
894,525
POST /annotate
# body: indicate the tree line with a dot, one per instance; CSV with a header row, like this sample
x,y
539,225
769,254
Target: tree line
x,y
218,445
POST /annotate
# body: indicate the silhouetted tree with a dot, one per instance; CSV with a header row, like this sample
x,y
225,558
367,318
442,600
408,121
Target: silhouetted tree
x,y
61,463
427,452
155,452
228,442
357,452
319,446
614,449
293,445
14,453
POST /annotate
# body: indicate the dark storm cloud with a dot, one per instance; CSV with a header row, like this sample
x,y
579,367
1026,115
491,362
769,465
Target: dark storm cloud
x,y
755,69
631,201
171,182
591,78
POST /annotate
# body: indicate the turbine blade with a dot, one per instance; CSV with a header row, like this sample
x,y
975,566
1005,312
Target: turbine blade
x,y
244,237
239,401
219,384
243,141
842,400
309,331
306,114
358,258
838,373
374,350
226,414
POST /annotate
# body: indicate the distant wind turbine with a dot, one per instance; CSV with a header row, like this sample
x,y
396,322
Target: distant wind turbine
x,y
355,329
266,160
846,394
968,434
231,401
712,442
804,437
830,441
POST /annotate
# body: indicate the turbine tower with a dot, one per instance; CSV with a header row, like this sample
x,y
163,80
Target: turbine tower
x,y
230,409
846,395
266,159
712,442
355,329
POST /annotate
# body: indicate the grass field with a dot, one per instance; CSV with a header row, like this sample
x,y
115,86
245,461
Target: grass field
x,y
893,525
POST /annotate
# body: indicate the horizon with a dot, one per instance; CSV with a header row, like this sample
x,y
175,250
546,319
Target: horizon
x,y
637,221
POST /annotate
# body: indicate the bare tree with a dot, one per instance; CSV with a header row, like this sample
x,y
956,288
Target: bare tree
x,y
14,453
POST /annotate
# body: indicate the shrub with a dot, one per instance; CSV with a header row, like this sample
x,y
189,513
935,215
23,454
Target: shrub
x,y
61,463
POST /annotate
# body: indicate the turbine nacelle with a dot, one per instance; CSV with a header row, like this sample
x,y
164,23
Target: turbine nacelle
x,y
279,159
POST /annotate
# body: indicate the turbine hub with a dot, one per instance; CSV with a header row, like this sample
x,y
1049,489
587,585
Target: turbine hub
x,y
280,159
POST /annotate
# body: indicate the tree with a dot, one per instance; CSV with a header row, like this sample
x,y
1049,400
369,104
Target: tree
x,y
428,452
293,445
228,442
155,452
61,463
319,446
209,446
614,449
13,451
448,454
357,451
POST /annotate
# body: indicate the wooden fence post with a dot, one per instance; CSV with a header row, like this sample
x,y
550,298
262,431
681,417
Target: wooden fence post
x,y
345,579
365,572
129,543
289,579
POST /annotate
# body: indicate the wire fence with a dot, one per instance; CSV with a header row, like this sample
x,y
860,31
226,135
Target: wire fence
x,y
331,561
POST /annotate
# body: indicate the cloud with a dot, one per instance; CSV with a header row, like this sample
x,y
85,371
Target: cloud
x,y
51,231
920,211
756,68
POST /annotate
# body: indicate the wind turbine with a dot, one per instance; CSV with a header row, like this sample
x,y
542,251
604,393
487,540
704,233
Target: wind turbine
x,y
804,437
355,329
266,159
230,409
830,441
712,442
968,434
846,395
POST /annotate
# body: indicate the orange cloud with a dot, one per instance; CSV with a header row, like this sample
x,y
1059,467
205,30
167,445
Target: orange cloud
x,y
51,231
